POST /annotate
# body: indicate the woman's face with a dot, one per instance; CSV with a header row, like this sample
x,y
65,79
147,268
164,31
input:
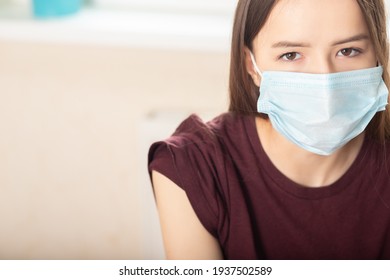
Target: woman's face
x,y
321,36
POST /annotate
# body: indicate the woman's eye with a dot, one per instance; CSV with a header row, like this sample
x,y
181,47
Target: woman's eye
x,y
348,52
290,56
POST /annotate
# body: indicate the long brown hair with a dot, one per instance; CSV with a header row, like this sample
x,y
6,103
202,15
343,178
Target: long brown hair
x,y
250,17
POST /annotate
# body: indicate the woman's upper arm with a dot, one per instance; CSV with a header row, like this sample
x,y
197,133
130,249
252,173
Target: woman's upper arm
x,y
183,234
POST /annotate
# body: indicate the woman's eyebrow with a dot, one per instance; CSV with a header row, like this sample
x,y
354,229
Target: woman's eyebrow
x,y
289,44
360,37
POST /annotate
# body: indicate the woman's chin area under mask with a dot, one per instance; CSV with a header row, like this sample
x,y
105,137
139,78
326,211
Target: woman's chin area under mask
x,y
303,167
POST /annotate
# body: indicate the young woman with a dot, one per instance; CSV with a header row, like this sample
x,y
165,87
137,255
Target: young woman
x,y
299,166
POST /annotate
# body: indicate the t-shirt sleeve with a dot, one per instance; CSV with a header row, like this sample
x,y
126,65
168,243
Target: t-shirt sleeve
x,y
190,158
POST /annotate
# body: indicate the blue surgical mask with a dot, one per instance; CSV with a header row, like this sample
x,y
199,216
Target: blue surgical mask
x,y
321,112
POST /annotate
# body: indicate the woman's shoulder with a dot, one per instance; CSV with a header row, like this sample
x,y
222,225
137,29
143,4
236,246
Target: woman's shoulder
x,y
196,158
197,131
200,146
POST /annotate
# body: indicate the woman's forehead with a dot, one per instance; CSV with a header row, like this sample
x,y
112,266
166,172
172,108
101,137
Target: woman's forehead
x,y
313,22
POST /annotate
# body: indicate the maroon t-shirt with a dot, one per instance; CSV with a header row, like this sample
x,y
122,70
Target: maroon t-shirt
x,y
256,212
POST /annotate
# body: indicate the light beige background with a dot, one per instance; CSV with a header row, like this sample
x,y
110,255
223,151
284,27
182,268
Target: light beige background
x,y
75,123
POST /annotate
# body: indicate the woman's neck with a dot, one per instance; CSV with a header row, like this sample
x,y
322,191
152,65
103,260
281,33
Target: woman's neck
x,y
301,166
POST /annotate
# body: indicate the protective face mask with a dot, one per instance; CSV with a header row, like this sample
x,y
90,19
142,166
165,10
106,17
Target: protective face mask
x,y
321,112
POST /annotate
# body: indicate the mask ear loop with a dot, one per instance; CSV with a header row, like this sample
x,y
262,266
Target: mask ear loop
x,y
255,65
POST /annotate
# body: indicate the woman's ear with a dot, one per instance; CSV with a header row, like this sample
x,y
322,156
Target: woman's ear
x,y
250,67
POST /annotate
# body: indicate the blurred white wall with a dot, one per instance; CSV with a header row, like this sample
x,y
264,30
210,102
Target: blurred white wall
x,y
76,121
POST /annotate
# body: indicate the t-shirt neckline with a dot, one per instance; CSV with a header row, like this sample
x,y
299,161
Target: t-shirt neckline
x,y
293,188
